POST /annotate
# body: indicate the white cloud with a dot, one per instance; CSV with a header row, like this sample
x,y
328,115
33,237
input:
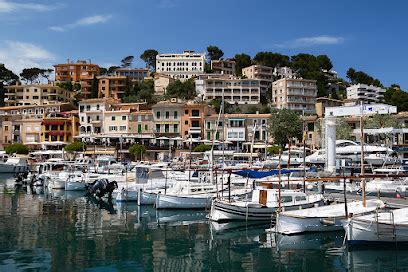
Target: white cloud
x,y
312,41
18,55
8,6
86,21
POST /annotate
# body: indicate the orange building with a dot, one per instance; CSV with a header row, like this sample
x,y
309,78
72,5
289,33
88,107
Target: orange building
x,y
78,71
193,119
111,86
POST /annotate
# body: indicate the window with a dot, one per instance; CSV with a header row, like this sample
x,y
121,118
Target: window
x,y
5,128
186,122
124,118
113,128
175,128
167,114
186,112
113,118
175,115
36,97
158,115
82,119
166,128
310,126
97,118
195,113
146,127
122,128
97,107
139,128
88,107
157,128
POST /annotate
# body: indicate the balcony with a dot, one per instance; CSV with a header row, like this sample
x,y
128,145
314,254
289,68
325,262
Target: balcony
x,y
194,130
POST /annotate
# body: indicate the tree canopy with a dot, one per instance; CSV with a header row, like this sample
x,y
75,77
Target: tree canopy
x,y
127,61
7,77
381,121
361,77
149,57
285,125
271,59
75,147
17,149
202,148
214,53
35,74
241,61
343,130
396,97
95,88
184,90
137,150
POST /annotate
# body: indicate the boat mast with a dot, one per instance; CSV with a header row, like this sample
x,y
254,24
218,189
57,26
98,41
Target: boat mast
x,y
362,154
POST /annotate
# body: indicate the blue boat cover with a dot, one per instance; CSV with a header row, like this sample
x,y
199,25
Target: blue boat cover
x,y
262,174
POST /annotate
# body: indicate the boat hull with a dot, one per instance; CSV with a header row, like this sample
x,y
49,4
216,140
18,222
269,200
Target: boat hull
x,y
292,225
360,232
222,211
75,186
183,202
56,184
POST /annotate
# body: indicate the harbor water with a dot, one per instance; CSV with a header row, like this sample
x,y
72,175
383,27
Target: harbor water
x,y
66,231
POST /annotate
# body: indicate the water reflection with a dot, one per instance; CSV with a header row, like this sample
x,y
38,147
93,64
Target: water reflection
x,y
58,229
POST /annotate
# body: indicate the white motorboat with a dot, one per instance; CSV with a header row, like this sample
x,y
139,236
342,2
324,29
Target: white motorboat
x,y
324,218
389,186
380,227
346,149
262,205
14,165
382,159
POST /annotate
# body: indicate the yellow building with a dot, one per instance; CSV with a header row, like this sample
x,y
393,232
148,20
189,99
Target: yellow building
x,y
60,128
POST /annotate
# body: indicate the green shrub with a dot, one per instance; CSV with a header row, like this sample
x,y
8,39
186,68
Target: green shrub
x,y
17,148
75,147
202,148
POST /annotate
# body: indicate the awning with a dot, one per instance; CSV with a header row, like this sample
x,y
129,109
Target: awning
x,y
53,122
100,152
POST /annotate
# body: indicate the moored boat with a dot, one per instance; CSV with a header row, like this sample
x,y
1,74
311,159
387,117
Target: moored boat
x,y
380,227
262,206
324,218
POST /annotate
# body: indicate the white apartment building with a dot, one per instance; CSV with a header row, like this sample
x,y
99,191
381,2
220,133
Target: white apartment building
x,y
283,72
181,66
262,73
238,129
234,90
365,93
295,94
92,115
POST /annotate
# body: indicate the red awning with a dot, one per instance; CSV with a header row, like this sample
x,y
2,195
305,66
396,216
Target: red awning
x,y
53,122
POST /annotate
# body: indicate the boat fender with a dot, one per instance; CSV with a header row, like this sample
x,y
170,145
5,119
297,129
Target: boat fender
x,y
327,221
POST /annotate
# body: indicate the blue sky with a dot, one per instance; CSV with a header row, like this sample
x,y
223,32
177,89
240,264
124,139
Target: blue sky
x,y
367,35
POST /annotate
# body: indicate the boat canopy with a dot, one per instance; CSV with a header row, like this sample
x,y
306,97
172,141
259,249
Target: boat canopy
x,y
262,174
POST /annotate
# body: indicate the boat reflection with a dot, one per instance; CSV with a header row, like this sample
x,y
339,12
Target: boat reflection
x,y
391,259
